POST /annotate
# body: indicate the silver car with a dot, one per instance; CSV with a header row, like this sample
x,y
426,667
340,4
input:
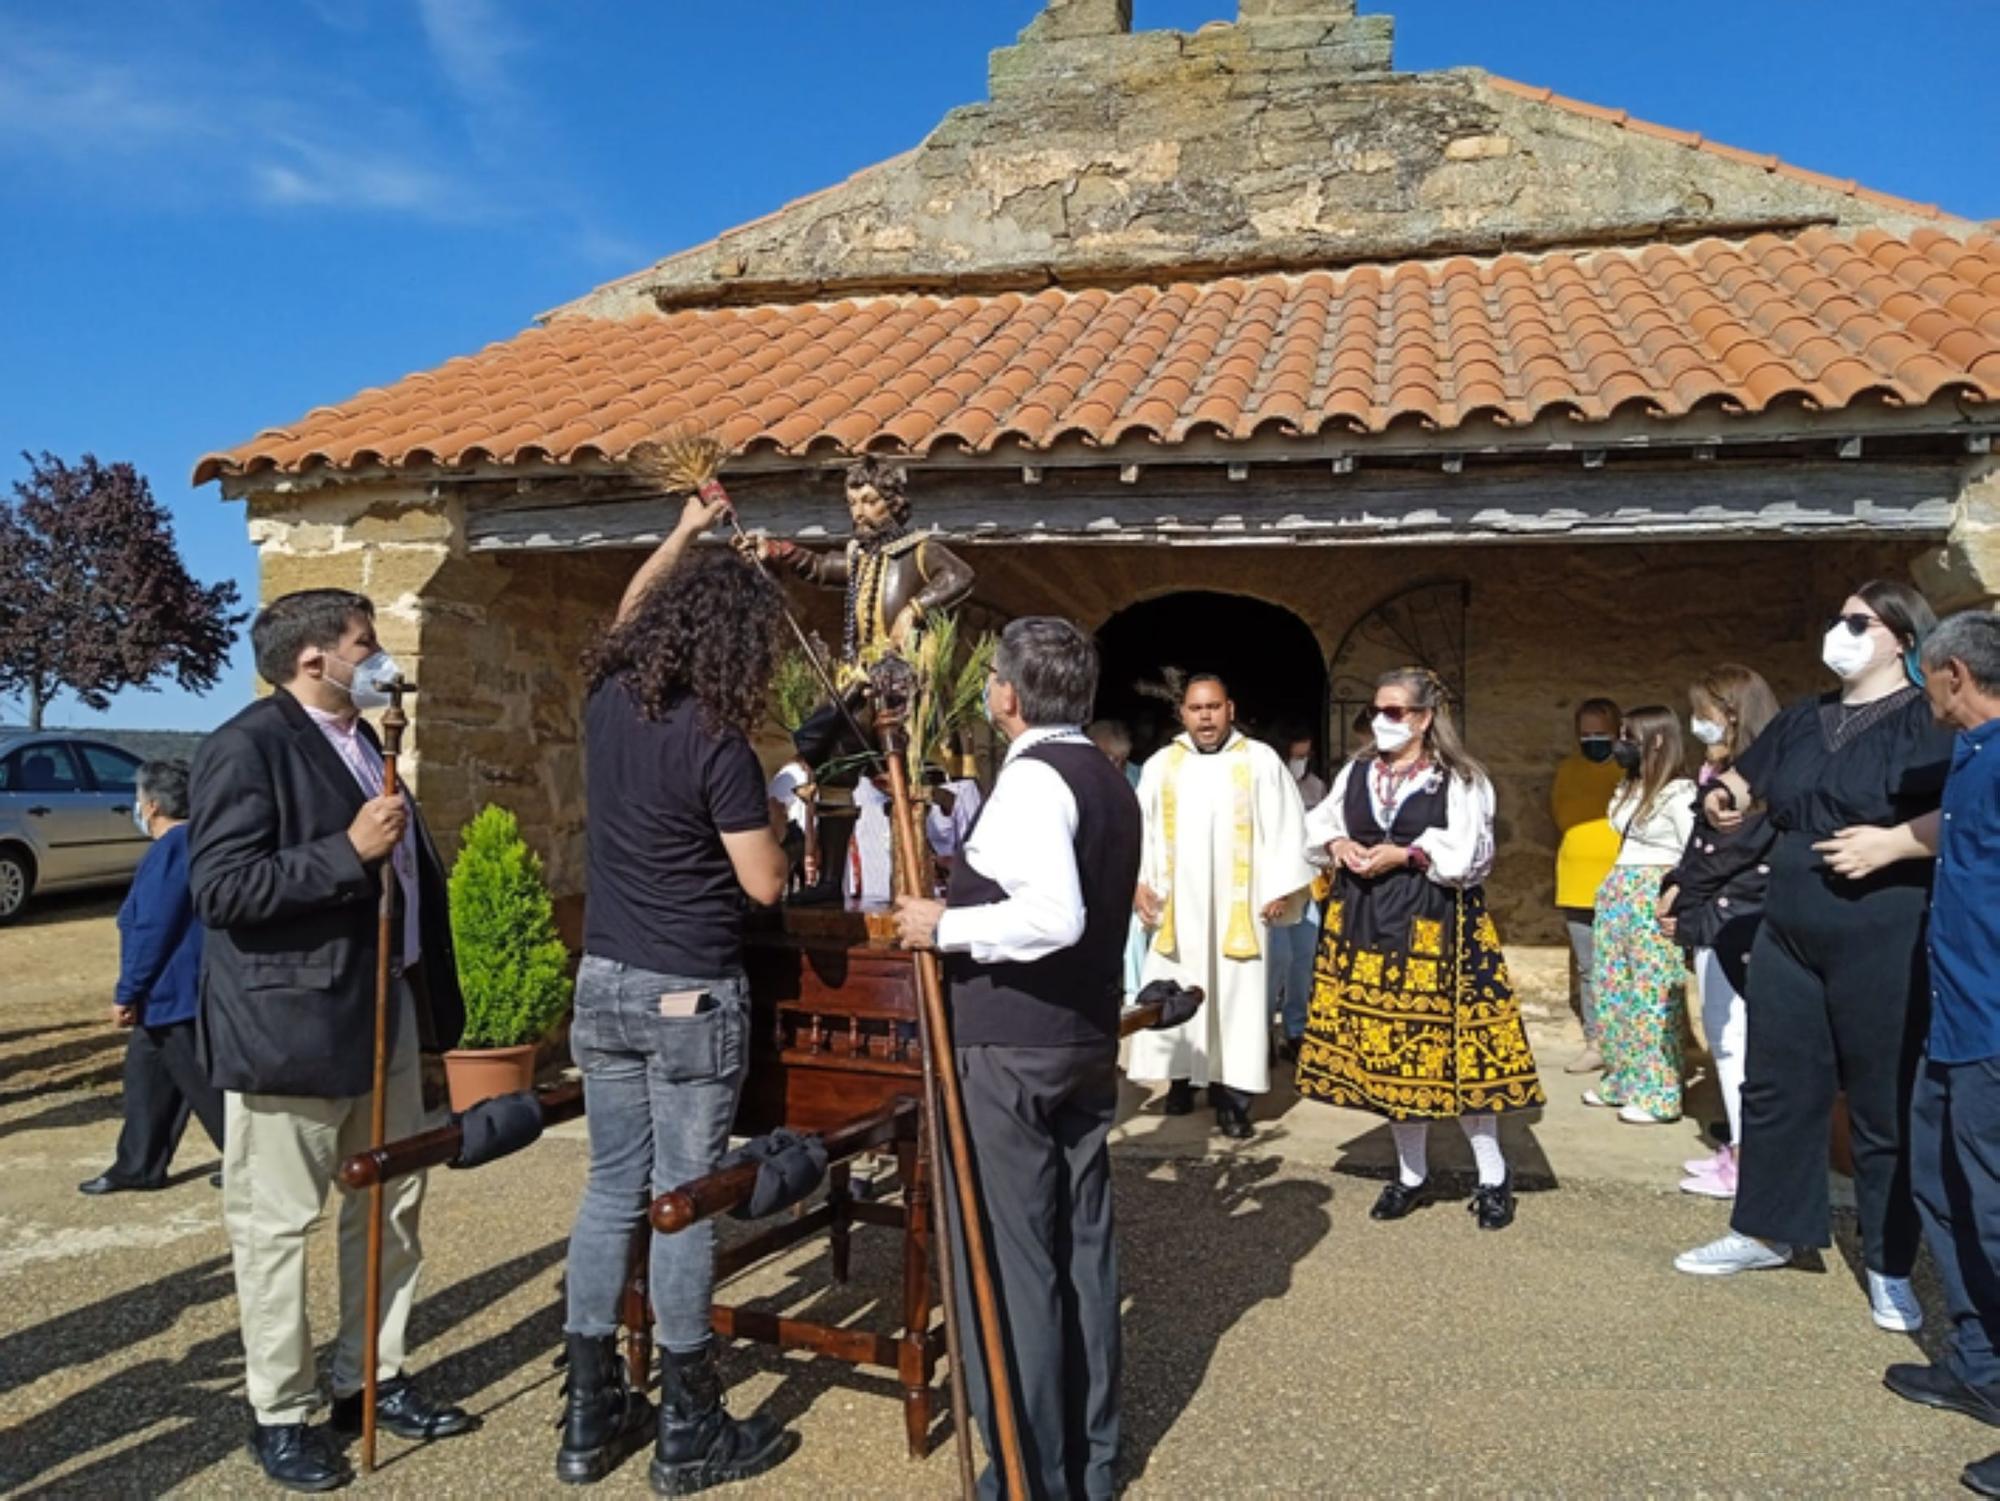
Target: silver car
x,y
65,815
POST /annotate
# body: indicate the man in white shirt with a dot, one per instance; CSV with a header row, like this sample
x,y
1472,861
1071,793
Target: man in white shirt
x,y
1033,933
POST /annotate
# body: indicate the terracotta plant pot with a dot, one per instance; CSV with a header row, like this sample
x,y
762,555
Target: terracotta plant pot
x,y
475,1074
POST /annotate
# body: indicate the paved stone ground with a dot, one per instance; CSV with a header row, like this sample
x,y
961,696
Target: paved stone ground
x,y
1278,1342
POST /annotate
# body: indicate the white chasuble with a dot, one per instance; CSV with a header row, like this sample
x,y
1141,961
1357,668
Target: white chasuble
x,y
1224,838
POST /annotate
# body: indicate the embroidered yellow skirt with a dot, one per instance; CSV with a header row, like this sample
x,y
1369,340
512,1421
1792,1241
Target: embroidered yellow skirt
x,y
1413,1016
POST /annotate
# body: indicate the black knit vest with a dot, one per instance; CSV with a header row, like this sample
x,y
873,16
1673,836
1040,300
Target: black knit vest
x,y
1073,996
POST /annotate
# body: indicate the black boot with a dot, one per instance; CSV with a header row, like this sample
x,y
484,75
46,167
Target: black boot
x,y
1180,1098
604,1420
700,1443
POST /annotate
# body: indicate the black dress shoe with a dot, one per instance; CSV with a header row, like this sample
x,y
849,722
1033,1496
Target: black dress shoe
x,y
104,1183
1493,1204
1399,1198
1934,1386
1233,1121
404,1411
298,1458
1180,1098
1983,1476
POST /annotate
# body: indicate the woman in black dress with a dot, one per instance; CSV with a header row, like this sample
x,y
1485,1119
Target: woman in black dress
x,y
1837,987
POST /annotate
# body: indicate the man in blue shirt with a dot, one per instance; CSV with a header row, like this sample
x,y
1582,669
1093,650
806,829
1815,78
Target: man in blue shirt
x,y
1955,1104
159,979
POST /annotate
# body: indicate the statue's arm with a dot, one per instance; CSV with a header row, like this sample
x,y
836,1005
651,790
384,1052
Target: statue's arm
x,y
827,569
947,577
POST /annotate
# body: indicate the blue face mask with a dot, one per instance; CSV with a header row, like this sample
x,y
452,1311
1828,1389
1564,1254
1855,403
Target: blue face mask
x,y
140,821
1914,666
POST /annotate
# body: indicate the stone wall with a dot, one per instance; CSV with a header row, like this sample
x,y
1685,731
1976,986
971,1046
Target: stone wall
x,y
495,641
1547,626
1281,139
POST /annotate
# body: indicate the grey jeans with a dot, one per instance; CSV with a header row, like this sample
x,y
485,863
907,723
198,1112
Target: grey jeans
x,y
659,1096
1582,944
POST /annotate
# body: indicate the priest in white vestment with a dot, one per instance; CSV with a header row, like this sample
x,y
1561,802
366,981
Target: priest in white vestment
x,y
1223,862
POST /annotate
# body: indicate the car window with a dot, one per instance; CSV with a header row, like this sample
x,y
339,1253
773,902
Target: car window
x,y
112,770
46,767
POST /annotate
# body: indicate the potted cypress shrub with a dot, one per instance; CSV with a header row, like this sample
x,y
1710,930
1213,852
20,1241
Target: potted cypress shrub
x,y
512,967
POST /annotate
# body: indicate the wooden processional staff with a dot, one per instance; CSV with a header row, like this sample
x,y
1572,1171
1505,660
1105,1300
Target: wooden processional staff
x,y
894,684
394,722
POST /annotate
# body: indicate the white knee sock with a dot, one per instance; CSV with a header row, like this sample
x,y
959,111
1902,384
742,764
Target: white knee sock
x,y
1412,1151
1483,1132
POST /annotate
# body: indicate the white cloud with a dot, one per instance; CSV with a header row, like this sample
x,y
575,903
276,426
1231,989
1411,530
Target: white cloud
x,y
306,173
473,44
52,98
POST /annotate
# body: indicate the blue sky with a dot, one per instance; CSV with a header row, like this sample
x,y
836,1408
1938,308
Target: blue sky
x,y
216,214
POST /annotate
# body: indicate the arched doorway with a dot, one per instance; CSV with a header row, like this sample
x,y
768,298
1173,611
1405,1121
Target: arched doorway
x,y
1265,653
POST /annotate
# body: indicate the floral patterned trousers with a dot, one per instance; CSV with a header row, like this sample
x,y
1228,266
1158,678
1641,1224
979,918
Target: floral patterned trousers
x,y
1641,990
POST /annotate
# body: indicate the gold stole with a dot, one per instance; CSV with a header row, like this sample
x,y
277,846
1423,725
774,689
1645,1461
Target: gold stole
x,y
1239,941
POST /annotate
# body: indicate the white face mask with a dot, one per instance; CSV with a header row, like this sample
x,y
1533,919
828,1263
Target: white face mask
x,y
1391,735
1708,732
369,686
1296,766
1846,654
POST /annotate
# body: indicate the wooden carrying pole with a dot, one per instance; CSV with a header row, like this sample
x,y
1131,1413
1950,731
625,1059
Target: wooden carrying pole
x,y
386,944
938,1066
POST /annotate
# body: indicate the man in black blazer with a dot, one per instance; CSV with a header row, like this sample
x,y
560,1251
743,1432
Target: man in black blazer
x,y
288,839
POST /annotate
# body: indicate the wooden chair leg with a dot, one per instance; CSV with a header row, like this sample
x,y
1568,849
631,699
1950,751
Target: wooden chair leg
x,y
840,1202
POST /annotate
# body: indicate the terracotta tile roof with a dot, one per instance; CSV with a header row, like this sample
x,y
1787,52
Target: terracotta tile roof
x,y
1695,141
1819,318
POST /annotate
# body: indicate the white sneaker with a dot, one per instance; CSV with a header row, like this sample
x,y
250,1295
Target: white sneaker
x,y
1894,1304
1638,1115
1732,1254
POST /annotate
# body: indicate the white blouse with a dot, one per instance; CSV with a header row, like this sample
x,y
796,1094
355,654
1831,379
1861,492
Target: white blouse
x,y
1460,853
1660,836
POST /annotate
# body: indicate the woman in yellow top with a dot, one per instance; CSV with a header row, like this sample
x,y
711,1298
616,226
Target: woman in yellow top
x,y
1585,780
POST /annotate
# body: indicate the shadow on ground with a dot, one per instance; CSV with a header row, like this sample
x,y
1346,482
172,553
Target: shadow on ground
x,y
191,1409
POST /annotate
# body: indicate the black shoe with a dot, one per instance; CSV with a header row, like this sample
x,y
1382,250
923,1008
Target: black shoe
x,y
604,1421
297,1457
1982,1476
1234,1123
1934,1386
1288,1049
1398,1199
700,1444
1493,1204
1180,1098
104,1183
402,1410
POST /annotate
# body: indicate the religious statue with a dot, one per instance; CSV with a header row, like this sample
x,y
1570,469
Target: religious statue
x,y
896,580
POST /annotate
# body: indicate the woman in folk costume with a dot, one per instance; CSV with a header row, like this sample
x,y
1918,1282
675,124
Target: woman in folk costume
x,y
1413,1016
1222,863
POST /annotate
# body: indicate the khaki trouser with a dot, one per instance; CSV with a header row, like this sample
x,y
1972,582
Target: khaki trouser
x,y
278,1164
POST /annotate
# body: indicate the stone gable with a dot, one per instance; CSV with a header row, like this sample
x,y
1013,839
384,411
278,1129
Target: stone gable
x,y
1281,140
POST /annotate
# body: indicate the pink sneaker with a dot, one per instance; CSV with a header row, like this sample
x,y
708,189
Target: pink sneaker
x,y
1719,1184
1698,1166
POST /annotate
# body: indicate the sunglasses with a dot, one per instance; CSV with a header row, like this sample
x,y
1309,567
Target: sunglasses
x,y
1395,713
1857,624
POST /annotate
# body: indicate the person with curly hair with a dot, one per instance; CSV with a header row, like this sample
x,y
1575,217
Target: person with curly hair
x,y
679,833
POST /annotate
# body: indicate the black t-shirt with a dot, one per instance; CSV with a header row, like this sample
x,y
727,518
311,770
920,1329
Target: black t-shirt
x,y
1820,767
660,891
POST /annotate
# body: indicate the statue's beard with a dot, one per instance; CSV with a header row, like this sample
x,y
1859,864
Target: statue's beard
x,y
874,534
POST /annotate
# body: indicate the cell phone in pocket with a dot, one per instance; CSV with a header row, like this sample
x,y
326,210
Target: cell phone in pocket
x,y
677,1003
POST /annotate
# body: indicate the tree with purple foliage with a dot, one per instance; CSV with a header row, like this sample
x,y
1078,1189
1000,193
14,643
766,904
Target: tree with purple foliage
x,y
95,596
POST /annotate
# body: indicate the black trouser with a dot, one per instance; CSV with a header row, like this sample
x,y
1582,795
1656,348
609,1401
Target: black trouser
x,y
1955,1173
1838,999
1039,1120
164,1082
